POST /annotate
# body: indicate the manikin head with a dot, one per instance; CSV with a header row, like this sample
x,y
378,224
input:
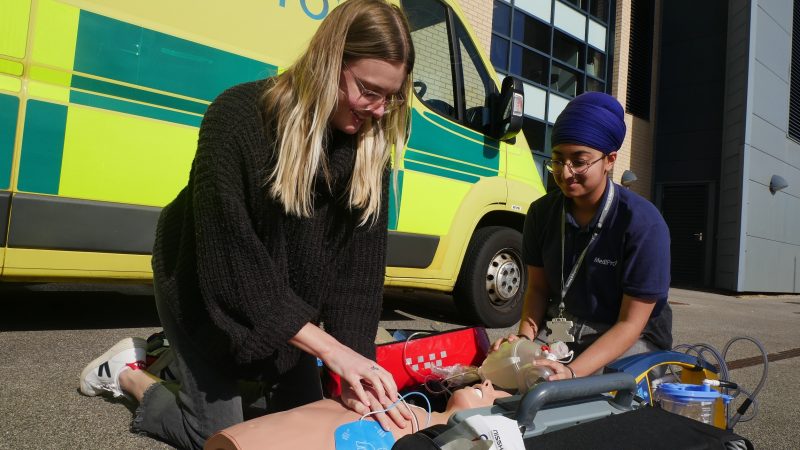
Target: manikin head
x,y
475,396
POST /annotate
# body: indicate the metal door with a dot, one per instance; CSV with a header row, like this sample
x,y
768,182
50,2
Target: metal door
x,y
686,209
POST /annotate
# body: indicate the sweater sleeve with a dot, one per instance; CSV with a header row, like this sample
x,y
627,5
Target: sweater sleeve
x,y
353,312
244,287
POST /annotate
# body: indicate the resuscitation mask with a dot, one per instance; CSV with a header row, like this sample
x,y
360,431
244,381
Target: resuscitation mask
x,y
511,366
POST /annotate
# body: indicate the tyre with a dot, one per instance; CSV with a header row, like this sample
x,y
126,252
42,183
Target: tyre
x,y
491,285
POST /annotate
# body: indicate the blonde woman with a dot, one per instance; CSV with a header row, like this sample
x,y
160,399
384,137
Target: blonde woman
x,y
281,228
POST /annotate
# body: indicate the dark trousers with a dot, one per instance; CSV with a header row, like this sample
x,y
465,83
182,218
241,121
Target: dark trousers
x,y
205,399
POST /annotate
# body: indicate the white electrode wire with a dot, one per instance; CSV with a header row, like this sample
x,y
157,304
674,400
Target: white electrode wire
x,y
403,400
409,367
414,373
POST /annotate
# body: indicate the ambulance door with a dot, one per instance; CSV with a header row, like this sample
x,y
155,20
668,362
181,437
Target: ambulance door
x,y
447,153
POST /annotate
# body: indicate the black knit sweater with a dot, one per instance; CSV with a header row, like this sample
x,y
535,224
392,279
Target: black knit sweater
x,y
240,276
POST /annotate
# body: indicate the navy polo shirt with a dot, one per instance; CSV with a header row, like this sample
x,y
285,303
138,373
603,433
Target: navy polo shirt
x,y
629,256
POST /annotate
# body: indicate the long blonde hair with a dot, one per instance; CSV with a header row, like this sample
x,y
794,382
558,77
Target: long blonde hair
x,y
302,100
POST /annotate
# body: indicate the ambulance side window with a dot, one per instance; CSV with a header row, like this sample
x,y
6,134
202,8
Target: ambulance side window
x,y
478,85
433,73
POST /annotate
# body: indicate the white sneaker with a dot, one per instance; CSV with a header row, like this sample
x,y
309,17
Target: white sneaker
x,y
102,374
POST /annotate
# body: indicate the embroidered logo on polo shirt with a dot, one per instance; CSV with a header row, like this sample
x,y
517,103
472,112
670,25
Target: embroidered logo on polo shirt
x,y
605,262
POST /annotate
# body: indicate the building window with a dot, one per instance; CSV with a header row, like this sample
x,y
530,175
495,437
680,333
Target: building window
x,y
528,64
641,60
794,83
559,48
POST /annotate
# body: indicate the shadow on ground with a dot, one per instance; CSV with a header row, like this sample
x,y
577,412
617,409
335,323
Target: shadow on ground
x,y
36,307
401,305
33,307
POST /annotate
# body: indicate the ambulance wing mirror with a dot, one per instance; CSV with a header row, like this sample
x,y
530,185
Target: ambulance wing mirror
x,y
508,112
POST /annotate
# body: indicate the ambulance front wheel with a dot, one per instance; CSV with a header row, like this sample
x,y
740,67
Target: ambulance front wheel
x,y
491,285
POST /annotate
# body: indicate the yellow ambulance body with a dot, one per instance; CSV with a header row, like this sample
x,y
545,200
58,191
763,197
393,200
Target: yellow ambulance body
x,y
100,104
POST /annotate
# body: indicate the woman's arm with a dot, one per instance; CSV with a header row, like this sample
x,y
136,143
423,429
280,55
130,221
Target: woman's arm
x,y
632,319
535,308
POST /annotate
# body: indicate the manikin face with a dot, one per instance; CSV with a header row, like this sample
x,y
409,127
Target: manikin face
x,y
476,396
596,165
361,76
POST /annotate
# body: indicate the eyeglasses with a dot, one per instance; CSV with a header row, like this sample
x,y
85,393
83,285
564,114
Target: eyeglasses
x,y
390,103
578,167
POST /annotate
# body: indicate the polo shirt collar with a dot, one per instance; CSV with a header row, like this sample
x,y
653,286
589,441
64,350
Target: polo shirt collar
x,y
570,219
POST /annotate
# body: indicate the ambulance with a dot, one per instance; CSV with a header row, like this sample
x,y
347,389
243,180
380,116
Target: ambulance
x,y
100,104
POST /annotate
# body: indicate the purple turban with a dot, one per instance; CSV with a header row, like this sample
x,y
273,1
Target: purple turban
x,y
592,119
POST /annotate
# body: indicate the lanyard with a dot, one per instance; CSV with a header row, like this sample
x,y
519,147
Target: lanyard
x,y
565,286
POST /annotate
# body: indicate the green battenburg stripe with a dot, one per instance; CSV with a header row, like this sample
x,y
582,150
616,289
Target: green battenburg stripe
x,y
438,171
42,147
394,203
430,138
126,92
465,131
117,50
9,110
448,164
136,109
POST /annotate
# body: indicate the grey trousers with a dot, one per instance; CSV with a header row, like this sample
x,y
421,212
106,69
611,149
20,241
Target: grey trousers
x,y
586,333
205,400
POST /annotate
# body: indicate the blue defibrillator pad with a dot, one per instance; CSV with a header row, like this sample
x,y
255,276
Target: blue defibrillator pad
x,y
362,435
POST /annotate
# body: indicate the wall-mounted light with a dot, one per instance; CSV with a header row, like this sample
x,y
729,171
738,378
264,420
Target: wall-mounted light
x,y
776,183
628,178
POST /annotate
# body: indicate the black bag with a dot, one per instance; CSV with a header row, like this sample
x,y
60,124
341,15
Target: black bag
x,y
650,428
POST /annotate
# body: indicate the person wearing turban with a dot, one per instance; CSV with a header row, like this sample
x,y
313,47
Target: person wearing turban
x,y
597,254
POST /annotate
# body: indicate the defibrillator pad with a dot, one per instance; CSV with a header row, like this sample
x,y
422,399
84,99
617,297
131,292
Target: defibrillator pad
x,y
363,435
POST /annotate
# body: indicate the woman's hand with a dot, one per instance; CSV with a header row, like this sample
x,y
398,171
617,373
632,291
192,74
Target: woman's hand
x,y
560,371
400,414
366,386
510,338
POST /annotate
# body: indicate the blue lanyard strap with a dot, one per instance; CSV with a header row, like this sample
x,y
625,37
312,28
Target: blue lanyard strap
x,y
565,286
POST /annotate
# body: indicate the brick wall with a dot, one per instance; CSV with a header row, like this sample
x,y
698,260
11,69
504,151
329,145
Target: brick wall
x,y
479,15
636,153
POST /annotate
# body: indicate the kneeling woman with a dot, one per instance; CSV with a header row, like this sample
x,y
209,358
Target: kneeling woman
x,y
282,227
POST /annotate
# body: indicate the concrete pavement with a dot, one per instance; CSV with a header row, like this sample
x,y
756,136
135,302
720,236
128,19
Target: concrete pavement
x,y
48,332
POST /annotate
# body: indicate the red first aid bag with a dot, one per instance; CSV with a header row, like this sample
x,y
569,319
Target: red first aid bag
x,y
410,361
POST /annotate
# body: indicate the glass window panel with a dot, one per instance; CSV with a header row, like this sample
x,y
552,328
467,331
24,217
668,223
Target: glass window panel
x,y
556,105
595,85
570,20
478,84
529,64
531,32
597,35
537,8
535,133
433,83
567,49
535,101
499,53
565,81
596,64
599,9
501,18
